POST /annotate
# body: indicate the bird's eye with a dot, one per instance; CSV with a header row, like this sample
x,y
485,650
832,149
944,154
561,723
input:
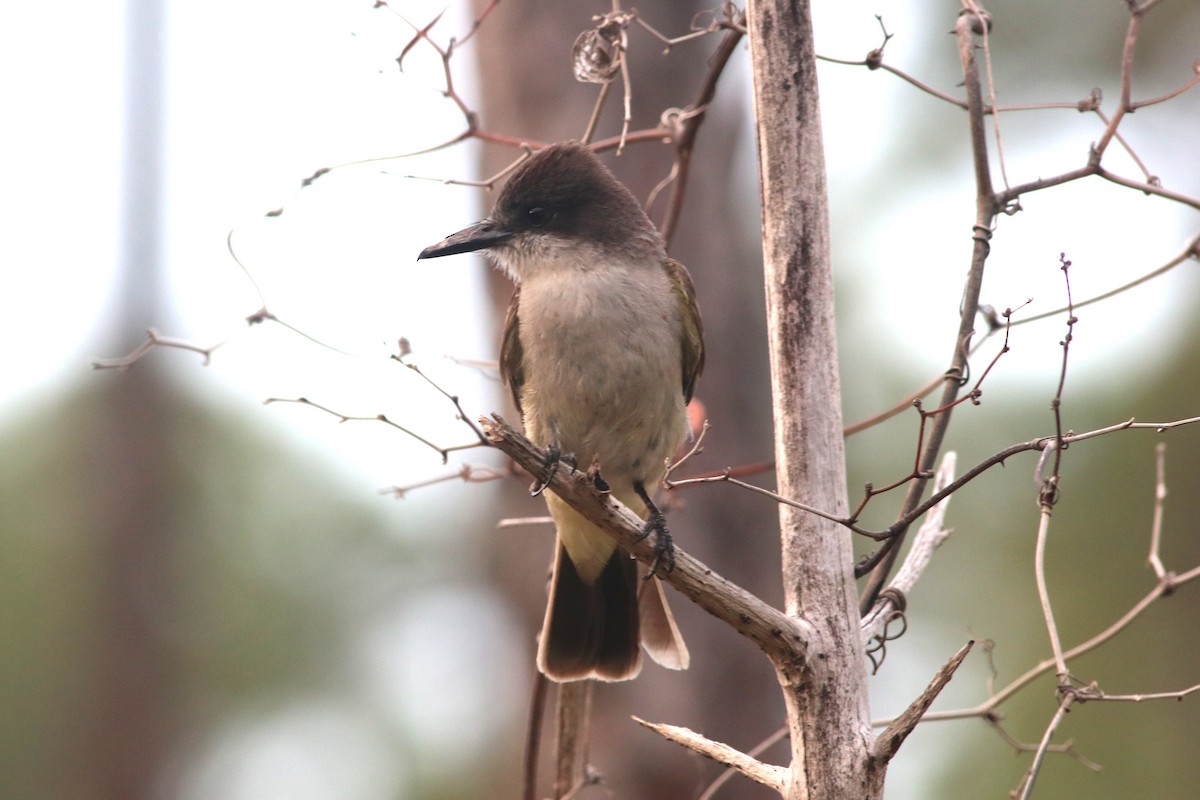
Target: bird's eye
x,y
538,216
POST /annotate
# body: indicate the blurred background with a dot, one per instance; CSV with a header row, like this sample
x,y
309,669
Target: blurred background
x,y
203,597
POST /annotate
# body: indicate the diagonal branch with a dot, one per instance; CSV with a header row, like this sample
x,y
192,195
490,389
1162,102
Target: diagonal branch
x,y
783,639
984,216
888,742
766,774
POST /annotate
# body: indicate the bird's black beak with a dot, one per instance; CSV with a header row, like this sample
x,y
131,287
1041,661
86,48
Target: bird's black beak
x,y
480,236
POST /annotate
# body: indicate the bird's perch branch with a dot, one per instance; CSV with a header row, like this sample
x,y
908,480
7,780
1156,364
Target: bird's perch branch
x,y
783,639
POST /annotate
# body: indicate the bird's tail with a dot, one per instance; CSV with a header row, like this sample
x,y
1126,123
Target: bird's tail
x,y
599,610
591,629
660,635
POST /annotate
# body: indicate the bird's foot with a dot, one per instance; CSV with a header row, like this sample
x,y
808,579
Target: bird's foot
x,y
664,547
554,457
656,523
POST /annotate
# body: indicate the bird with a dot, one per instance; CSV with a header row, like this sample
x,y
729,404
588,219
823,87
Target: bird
x,y
601,349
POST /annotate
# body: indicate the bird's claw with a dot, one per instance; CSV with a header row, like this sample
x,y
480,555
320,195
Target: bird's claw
x,y
664,547
553,458
656,523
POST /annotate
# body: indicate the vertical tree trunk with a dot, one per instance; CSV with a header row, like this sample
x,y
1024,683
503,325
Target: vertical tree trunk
x,y
826,695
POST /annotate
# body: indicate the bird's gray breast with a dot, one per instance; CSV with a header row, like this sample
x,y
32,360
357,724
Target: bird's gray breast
x,y
602,362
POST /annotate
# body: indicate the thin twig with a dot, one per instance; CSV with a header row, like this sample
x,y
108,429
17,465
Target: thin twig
x,y
907,403
725,476
956,373
1040,444
1171,95
1066,748
1089,695
594,120
1168,585
1064,706
466,473
696,448
444,452
1044,595
1048,485
1125,105
1160,494
153,339
930,536
1128,148
400,357
688,122
1191,251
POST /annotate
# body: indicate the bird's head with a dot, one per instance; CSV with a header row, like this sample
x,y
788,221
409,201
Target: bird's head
x,y
561,206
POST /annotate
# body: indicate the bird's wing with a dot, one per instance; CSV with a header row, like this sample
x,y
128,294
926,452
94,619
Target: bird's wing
x,y
512,355
693,329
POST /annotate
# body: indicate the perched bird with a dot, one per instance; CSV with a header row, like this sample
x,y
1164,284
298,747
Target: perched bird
x,y
601,349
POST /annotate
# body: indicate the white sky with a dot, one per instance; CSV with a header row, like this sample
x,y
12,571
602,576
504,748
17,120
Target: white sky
x,y
261,94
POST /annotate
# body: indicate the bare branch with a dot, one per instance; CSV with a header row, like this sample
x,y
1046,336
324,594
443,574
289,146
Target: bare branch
x,y
1128,148
886,745
466,473
1089,694
1064,706
755,770
1191,251
929,538
153,339
1048,491
1160,494
726,476
1126,105
778,736
1066,748
908,402
956,373
686,124
1171,95
874,61
444,452
1060,663
778,635
400,355
1165,587
1039,444
696,448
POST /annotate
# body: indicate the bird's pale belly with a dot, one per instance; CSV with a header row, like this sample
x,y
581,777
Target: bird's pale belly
x,y
602,369
605,403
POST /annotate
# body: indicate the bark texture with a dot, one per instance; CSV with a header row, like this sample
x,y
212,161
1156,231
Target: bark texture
x,y
826,692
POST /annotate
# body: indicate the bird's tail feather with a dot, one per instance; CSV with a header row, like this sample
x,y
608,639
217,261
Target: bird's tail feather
x,y
591,629
660,634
